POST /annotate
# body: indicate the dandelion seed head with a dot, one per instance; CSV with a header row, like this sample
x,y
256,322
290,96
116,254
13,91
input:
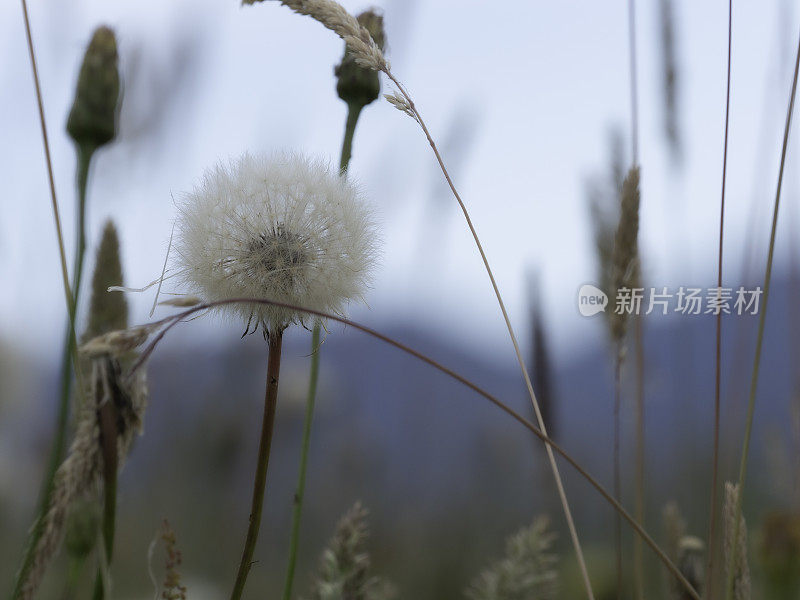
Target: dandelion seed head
x,y
280,227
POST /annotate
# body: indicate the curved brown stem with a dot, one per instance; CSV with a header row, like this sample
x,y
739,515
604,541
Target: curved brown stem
x,y
172,321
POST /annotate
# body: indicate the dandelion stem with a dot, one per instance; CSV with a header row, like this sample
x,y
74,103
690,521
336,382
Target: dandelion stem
x,y
751,405
718,354
170,322
260,481
301,478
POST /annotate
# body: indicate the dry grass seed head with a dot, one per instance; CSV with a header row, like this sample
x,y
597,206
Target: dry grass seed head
x,y
79,474
528,569
344,568
336,18
736,547
107,311
625,256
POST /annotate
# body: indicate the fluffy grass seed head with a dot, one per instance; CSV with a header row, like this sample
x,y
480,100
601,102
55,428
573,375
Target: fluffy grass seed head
x,y
528,569
281,227
345,565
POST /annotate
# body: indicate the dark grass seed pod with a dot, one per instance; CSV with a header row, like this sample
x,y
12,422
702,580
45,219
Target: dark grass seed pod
x,y
356,84
93,118
108,311
625,255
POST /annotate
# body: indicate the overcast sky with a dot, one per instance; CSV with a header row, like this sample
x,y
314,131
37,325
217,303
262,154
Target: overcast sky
x,y
521,97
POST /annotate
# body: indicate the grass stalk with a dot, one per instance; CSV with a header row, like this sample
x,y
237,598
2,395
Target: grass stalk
x,y
751,404
634,82
170,322
275,339
73,578
48,159
712,519
554,467
638,565
617,467
639,496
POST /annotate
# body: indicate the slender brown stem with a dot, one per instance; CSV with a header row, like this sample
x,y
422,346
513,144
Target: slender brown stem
x,y
170,322
712,519
639,499
617,466
260,481
751,404
48,160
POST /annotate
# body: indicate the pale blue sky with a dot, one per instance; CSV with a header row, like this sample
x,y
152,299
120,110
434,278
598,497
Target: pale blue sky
x,y
538,84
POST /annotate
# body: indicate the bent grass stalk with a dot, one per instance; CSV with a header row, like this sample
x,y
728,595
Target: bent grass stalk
x,y
168,323
71,348
718,354
751,404
559,485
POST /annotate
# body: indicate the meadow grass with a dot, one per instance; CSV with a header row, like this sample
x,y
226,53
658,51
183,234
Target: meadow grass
x,y
114,409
